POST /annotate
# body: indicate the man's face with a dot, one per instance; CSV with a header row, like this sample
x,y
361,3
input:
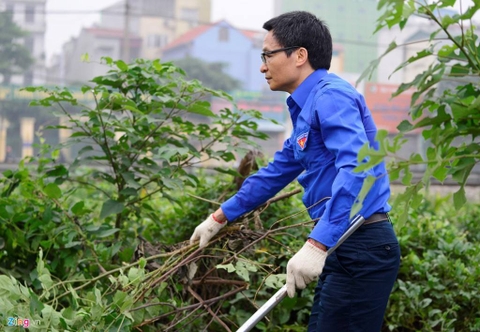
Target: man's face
x,y
280,71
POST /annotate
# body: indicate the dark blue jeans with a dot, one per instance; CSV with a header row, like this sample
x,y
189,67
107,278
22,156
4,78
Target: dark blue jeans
x,y
354,287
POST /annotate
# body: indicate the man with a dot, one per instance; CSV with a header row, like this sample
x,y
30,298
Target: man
x,y
330,124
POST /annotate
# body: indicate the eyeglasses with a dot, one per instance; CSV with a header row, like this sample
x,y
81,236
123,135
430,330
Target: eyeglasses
x,y
264,54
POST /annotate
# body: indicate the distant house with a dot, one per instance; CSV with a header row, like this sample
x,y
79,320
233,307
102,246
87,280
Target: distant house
x,y
239,48
221,42
127,30
157,22
30,16
97,42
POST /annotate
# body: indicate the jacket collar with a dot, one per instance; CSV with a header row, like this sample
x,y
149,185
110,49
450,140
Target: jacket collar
x,y
301,93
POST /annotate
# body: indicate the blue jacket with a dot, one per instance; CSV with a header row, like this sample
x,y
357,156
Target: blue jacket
x,y
331,122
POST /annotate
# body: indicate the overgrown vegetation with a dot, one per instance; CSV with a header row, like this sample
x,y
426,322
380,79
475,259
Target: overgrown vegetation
x,y
436,288
150,289
100,244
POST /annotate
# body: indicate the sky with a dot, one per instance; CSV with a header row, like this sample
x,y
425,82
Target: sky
x,y
63,23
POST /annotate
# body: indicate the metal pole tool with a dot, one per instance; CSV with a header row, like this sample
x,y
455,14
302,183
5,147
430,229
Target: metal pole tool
x,y
282,292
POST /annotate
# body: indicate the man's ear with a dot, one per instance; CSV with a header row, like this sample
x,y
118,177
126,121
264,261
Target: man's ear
x,y
302,56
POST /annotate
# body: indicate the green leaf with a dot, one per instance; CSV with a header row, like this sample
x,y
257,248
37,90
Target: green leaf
x,y
202,108
459,70
85,57
129,178
121,65
30,89
447,21
243,269
36,306
80,134
84,149
111,207
276,281
135,275
229,171
157,65
229,267
462,169
78,208
446,50
73,244
440,173
394,174
107,232
366,186
127,253
92,228
45,279
459,198
405,126
52,191
8,286
407,177
47,214
174,184
119,298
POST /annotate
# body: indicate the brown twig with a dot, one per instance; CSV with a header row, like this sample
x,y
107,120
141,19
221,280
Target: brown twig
x,y
218,281
210,311
254,242
212,320
283,196
146,305
194,306
164,276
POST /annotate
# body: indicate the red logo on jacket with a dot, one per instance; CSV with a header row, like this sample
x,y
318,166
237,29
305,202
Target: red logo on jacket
x,y
302,140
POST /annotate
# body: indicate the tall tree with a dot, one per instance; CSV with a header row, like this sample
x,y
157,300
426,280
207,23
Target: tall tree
x,y
211,74
15,58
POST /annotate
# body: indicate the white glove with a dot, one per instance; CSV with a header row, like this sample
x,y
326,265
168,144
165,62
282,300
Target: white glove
x,y
304,267
206,230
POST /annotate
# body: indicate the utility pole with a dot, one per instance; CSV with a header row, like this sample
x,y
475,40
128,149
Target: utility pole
x,y
126,37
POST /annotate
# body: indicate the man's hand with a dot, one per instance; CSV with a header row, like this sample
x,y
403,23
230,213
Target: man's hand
x,y
206,230
304,267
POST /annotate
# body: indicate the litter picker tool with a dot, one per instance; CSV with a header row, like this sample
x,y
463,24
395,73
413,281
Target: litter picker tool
x,y
282,292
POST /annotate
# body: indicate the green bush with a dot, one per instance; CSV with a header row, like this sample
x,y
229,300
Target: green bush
x,y
437,286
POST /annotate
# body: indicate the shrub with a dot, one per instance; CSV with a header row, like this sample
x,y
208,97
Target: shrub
x,y
437,286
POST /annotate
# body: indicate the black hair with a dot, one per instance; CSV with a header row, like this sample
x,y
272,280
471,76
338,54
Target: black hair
x,y
300,28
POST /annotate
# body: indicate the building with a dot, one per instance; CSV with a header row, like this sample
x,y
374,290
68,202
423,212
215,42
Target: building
x,y
128,29
351,23
157,22
240,49
29,15
78,68
221,42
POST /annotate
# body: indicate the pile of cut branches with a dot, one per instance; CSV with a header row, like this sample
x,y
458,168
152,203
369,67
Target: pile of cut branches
x,y
212,277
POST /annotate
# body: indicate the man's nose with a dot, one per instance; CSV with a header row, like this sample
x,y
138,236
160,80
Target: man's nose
x,y
263,68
